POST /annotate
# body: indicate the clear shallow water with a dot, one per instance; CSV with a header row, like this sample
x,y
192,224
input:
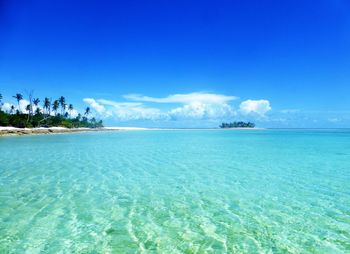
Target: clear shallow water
x,y
176,192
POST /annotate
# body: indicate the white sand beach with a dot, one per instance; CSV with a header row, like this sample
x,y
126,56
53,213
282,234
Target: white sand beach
x,y
10,131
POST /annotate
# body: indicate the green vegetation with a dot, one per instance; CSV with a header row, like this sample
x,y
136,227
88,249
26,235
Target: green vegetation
x,y
51,115
237,125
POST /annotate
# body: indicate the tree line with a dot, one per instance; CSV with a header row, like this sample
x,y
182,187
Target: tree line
x,y
53,113
237,125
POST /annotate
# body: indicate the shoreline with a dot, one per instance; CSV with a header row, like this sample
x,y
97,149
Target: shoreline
x,y
13,131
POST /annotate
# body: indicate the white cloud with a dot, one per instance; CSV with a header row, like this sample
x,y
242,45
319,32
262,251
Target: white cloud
x,y
119,104
123,111
7,107
196,106
198,110
136,113
184,98
260,107
126,111
22,106
95,105
73,113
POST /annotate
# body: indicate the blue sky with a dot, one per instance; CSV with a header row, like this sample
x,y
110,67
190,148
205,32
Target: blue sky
x,y
183,63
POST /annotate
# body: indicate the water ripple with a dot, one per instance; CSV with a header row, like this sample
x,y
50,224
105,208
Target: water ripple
x,y
176,192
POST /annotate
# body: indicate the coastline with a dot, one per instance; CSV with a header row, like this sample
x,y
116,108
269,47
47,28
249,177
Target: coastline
x,y
13,131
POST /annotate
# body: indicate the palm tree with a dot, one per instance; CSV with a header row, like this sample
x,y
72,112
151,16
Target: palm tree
x,y
62,102
0,101
87,111
55,106
36,101
12,109
30,113
18,97
47,105
64,108
93,122
70,109
77,120
37,111
28,107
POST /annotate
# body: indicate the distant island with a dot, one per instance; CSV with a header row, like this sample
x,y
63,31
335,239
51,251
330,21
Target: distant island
x,y
237,125
53,113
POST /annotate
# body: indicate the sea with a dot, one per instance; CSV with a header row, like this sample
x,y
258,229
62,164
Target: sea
x,y
176,191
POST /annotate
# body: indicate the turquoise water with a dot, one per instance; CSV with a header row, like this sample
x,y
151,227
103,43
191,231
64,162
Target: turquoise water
x,y
268,191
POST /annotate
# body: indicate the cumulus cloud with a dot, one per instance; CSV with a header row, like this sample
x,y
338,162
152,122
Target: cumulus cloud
x,y
95,105
184,98
7,107
260,107
73,113
198,110
123,111
21,108
195,106
137,113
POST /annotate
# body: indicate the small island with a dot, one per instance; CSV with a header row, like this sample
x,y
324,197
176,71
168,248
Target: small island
x,y
237,125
